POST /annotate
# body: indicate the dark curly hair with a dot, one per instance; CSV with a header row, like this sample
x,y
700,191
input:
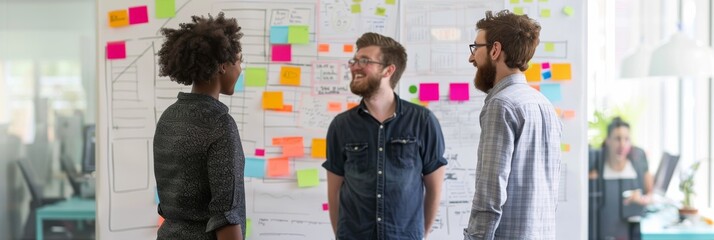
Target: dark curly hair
x,y
193,52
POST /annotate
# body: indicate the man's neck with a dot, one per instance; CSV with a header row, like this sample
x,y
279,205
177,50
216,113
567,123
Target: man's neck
x,y
503,71
382,105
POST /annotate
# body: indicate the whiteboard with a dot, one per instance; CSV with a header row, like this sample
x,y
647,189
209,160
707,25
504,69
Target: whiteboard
x,y
436,33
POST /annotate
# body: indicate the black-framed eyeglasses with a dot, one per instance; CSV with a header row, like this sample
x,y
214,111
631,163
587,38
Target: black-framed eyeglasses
x,y
362,62
475,46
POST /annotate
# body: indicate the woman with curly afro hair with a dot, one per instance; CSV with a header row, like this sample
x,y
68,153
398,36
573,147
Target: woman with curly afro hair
x,y
198,157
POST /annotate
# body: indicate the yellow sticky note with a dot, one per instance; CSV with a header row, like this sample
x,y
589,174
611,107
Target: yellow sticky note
x,y
515,1
290,75
390,2
568,11
518,10
561,71
550,47
543,1
533,73
527,1
319,148
545,13
273,100
356,8
119,18
380,11
248,226
308,177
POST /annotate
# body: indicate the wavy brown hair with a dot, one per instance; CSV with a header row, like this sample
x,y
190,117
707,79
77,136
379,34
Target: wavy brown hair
x,y
392,53
193,52
518,35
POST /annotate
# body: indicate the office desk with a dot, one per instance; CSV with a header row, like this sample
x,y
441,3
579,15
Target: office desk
x,y
71,209
662,226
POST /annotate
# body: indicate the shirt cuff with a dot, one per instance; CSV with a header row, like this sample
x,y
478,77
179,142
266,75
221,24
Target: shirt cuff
x,y
226,218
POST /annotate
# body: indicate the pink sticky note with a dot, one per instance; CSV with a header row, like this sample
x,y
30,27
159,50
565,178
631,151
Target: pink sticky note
x,y
259,152
282,52
138,15
459,91
429,91
116,50
545,65
325,207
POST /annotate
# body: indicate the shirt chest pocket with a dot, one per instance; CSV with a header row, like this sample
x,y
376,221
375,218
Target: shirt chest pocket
x,y
356,157
405,151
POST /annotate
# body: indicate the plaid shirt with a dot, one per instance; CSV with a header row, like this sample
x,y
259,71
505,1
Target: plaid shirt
x,y
518,168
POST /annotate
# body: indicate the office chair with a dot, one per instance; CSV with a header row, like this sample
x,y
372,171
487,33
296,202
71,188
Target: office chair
x,y
75,177
38,200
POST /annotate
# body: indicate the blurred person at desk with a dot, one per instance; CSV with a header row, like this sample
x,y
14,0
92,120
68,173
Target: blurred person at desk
x,y
621,184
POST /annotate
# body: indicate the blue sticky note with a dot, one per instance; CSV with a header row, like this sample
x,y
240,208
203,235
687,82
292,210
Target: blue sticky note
x,y
547,75
240,84
279,34
552,92
254,167
156,195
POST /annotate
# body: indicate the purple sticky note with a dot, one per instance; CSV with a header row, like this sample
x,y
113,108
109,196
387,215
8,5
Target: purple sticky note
x,y
259,152
429,91
116,50
282,52
545,65
138,15
459,91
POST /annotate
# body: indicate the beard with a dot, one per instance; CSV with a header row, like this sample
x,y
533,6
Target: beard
x,y
368,87
485,76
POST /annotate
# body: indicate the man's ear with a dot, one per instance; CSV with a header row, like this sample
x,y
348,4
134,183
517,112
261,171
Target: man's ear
x,y
495,51
389,70
222,68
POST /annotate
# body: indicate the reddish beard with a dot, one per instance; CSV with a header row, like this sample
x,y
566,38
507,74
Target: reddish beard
x,y
485,76
368,87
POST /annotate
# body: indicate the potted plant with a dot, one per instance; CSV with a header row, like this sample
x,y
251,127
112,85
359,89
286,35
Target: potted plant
x,y
687,187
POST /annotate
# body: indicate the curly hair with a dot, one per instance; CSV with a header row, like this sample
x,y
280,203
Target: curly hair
x,y
392,53
518,35
193,52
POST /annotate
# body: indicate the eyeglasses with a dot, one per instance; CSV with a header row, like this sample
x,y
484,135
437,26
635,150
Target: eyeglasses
x,y
362,62
475,46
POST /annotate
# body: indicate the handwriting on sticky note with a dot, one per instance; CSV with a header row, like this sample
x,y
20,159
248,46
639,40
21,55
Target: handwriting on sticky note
x,y
290,75
281,52
319,148
116,50
308,177
278,167
552,92
533,72
254,167
165,8
272,100
256,77
459,91
298,34
278,34
138,15
561,71
277,141
118,18
429,91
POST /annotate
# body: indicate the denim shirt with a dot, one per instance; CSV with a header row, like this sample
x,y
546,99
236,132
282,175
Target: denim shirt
x,y
382,195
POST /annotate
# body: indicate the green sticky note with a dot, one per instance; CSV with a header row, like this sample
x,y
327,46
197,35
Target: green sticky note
x,y
356,8
248,226
545,13
380,11
550,47
357,1
543,1
165,8
527,1
515,1
390,2
568,11
298,34
308,177
518,10
256,77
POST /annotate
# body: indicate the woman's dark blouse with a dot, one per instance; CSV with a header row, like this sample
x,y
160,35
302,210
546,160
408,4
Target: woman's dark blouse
x,y
198,163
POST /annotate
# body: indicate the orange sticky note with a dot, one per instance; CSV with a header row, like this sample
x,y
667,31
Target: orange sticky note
x,y
348,48
536,87
294,150
286,108
533,73
287,140
334,107
323,47
558,111
561,71
319,148
118,18
273,100
350,105
290,75
278,167
568,114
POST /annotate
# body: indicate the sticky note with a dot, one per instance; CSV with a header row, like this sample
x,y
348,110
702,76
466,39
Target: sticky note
x,y
545,65
323,47
527,1
390,2
429,91
281,52
558,111
161,220
248,227
325,207
356,8
272,100
536,87
545,13
286,108
356,1
254,167
278,34
118,18
565,147
380,11
319,148
138,15
350,105
533,73
568,10
546,75
286,140
298,34
116,50
290,75
552,92
458,91
518,10
515,1
165,8
550,47
278,167
561,71
308,177
569,114
240,83
156,195
334,107
259,152
256,77
419,102
543,1
294,150
348,48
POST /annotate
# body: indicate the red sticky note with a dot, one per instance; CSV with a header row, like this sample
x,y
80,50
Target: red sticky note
x,y
259,152
323,47
325,207
348,48
116,50
138,15
281,52
278,167
459,91
429,91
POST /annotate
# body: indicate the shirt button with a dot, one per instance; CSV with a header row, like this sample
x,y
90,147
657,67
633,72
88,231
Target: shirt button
x,y
381,126
356,148
379,172
380,149
379,219
379,195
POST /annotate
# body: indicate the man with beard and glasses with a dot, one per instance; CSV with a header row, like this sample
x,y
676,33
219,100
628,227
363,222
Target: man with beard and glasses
x,y
518,166
385,164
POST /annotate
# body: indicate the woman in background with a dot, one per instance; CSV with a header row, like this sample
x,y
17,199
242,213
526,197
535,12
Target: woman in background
x,y
198,157
623,183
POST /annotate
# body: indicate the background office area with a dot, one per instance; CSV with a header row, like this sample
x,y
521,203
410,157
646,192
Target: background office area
x,y
66,71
